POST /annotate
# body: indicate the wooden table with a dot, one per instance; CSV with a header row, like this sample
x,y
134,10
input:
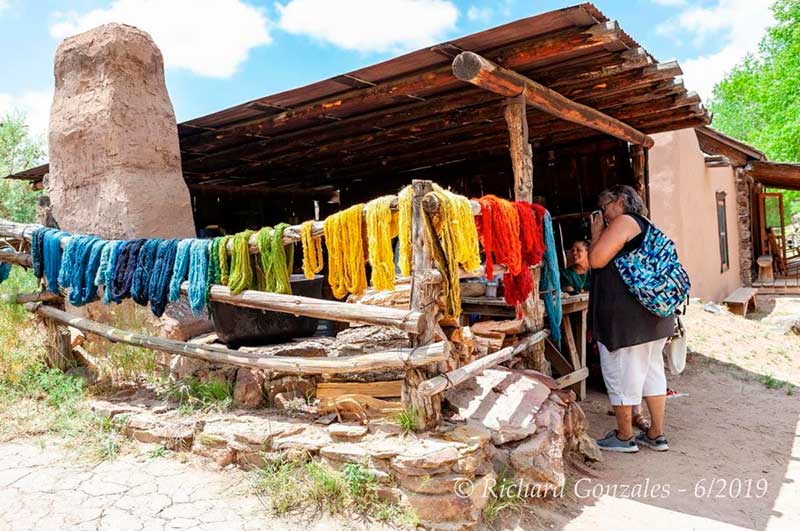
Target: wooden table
x,y
575,309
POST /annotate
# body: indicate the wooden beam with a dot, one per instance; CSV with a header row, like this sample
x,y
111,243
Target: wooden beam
x,y
519,148
391,359
572,378
443,382
775,174
408,321
473,68
386,389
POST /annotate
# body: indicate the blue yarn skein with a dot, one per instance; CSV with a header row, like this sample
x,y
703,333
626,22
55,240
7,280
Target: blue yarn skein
x,y
37,251
92,265
124,269
51,256
161,275
108,274
73,274
181,268
105,256
550,283
198,276
141,277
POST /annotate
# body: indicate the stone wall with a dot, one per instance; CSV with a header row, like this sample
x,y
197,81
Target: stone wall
x,y
745,224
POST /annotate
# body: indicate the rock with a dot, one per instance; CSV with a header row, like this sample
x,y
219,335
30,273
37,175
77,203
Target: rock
x,y
425,457
795,328
540,459
441,507
574,421
147,428
307,348
551,417
289,401
389,494
109,410
115,163
436,484
483,491
587,447
308,438
303,387
346,453
505,402
347,431
247,391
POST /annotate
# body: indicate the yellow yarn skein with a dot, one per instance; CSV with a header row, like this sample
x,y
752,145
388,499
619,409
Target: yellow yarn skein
x,y
344,240
381,228
312,250
454,242
404,230
222,253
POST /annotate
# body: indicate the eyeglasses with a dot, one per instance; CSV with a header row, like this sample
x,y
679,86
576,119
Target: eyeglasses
x,y
604,207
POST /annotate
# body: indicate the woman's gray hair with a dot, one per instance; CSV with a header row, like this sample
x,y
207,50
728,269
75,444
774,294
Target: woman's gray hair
x,y
631,201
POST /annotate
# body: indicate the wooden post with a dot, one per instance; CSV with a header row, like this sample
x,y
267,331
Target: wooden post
x,y
637,163
424,300
519,148
522,164
59,346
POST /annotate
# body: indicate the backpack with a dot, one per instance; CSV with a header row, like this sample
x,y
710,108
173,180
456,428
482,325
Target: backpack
x,y
654,275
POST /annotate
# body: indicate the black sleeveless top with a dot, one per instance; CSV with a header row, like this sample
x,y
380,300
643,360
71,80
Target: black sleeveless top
x,y
616,318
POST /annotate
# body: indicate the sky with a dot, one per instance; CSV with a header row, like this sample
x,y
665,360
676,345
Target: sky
x,y
220,53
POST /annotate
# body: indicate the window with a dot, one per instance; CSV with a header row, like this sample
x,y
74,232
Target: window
x,y
722,223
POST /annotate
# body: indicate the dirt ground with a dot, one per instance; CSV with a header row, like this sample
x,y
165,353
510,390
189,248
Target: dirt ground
x,y
729,434
734,461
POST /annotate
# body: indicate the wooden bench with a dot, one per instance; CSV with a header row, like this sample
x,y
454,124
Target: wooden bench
x,y
741,300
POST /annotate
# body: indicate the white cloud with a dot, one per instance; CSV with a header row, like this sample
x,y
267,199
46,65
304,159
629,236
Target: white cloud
x,y
34,104
370,26
4,4
736,26
208,37
479,14
670,3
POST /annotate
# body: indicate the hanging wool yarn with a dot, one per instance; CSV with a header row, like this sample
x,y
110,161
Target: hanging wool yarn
x,y
453,238
158,288
498,227
381,228
5,267
550,282
124,268
344,240
198,275
108,276
144,267
180,270
404,230
46,255
213,261
241,273
312,250
222,260
105,261
276,263
518,287
79,265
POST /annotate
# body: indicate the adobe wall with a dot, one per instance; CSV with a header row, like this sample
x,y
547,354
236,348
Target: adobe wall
x,y
115,164
683,204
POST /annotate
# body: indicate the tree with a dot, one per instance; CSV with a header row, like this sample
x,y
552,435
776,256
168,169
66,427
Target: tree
x,y
758,102
18,151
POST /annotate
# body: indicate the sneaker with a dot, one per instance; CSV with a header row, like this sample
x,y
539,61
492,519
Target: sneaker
x,y
612,443
658,444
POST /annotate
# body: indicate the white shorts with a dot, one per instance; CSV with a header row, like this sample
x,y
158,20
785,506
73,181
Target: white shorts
x,y
633,372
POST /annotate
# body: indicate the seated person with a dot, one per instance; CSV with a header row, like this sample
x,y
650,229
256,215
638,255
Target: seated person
x,y
575,279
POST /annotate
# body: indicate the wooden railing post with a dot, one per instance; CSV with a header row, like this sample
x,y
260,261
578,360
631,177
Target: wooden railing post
x,y
522,164
424,300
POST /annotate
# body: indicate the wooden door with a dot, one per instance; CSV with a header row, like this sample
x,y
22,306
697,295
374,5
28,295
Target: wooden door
x,y
773,228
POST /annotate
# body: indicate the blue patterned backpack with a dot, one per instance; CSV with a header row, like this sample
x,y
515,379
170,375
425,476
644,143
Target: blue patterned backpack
x,y
654,275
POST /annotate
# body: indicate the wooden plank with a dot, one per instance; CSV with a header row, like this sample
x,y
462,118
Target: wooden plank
x,y
388,389
741,295
580,389
473,68
390,359
514,326
569,341
443,382
572,378
559,362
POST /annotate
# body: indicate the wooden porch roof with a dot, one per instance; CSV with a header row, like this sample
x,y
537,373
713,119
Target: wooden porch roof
x,y
411,113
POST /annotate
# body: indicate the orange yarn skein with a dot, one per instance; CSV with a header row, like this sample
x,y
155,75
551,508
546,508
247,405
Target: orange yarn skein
x,y
498,227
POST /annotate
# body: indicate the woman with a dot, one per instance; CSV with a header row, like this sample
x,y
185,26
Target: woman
x,y
575,279
630,338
